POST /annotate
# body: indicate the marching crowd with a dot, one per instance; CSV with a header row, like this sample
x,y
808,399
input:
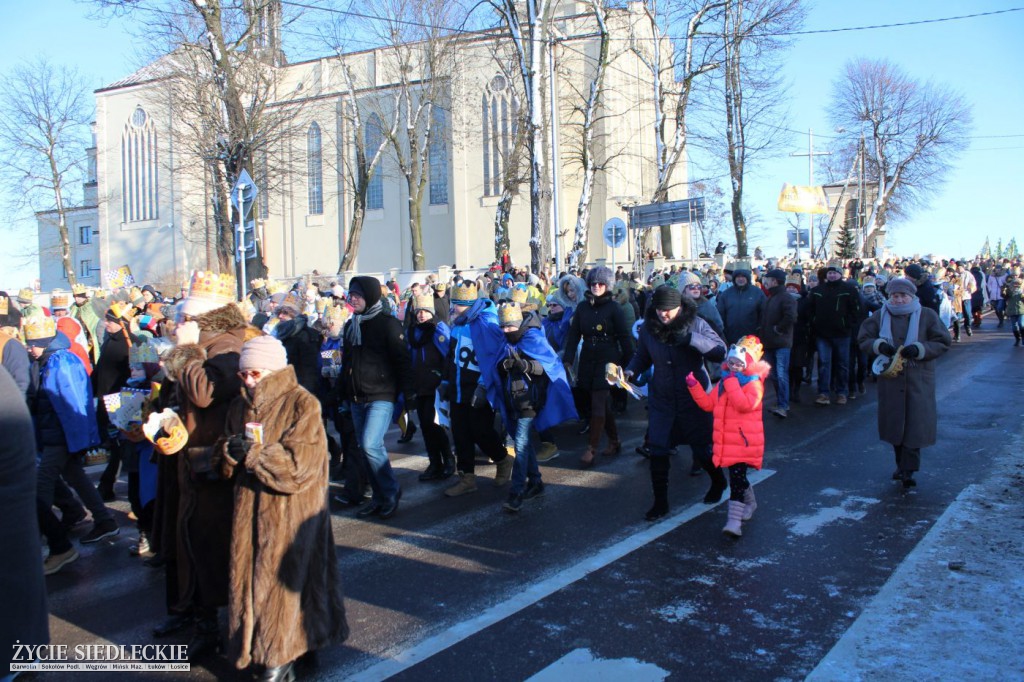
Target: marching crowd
x,y
230,418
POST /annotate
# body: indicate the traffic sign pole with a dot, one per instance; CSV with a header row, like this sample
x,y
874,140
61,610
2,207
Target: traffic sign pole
x,y
241,239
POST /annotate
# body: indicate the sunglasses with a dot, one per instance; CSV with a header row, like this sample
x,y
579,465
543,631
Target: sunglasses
x,y
254,373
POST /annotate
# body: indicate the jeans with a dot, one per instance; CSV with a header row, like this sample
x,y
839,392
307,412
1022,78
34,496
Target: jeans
x,y
525,466
372,421
1017,324
967,310
1000,307
840,347
778,358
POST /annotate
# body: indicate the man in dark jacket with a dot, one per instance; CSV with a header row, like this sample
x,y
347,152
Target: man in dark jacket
x,y
776,335
676,341
834,310
926,292
741,306
110,375
376,369
301,342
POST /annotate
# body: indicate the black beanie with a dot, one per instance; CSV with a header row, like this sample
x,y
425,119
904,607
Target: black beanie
x,y
366,287
667,297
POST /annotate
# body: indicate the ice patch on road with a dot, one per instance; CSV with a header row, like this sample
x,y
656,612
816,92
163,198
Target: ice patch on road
x,y
852,509
581,664
675,613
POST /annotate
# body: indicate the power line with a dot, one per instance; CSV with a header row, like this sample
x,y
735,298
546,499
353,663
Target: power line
x,y
903,23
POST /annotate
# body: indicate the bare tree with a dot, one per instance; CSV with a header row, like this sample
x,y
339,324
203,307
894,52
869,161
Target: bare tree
x,y
717,222
44,118
752,34
913,133
673,82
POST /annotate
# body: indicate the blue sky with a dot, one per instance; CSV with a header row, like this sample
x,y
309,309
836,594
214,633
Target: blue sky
x,y
982,57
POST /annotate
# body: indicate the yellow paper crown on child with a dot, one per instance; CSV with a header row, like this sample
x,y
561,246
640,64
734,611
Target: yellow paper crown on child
x,y
509,314
121,310
322,304
211,286
275,287
25,295
142,353
79,290
258,283
5,305
39,327
59,300
519,295
336,313
752,345
464,294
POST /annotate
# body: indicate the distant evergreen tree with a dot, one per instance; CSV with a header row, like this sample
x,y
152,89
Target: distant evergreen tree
x,y
1011,248
846,242
986,249
999,248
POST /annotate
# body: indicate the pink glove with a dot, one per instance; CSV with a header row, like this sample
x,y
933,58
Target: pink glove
x,y
691,380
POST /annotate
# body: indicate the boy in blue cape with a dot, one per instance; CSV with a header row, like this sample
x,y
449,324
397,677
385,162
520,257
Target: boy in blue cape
x,y
535,394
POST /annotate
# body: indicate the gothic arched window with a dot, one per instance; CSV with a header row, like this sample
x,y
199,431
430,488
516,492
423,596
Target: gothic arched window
x,y
139,176
438,157
372,137
500,120
314,170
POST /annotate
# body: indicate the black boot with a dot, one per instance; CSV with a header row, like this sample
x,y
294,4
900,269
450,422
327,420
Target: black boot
x,y
410,431
205,639
448,464
1016,337
659,484
718,483
282,673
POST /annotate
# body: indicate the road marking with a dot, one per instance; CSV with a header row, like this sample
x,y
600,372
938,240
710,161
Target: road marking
x,y
531,594
811,523
581,664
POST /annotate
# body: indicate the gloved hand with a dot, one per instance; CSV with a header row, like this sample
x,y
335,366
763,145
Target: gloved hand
x,y
910,352
515,364
238,448
885,348
444,392
691,380
683,338
479,398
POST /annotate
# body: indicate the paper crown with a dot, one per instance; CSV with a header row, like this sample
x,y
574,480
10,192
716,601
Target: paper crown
x,y
135,293
5,305
258,283
25,295
336,313
423,303
120,310
59,300
464,294
519,295
275,287
750,346
322,304
793,279
40,327
211,286
142,353
79,290
509,314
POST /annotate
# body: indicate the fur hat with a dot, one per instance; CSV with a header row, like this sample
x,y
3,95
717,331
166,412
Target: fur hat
x,y
901,285
510,315
601,275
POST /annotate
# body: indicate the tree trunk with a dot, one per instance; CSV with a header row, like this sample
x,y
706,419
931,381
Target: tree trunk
x,y
419,261
355,232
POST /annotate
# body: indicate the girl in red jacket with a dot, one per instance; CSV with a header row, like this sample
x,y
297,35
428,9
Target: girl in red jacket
x,y
739,429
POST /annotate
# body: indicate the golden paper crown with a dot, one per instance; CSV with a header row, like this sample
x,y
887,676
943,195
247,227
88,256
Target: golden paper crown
x,y
336,313
752,345
142,353
121,310
5,305
322,304
509,314
519,295
423,303
208,285
79,290
25,295
59,300
275,287
464,294
258,283
135,293
39,327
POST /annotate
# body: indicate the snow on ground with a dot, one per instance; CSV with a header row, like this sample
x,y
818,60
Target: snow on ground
x,y
953,609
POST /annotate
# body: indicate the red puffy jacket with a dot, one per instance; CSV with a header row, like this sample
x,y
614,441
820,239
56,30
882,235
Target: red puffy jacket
x,y
739,429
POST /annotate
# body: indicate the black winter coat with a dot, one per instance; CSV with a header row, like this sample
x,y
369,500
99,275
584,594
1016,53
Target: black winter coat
x,y
111,372
378,369
302,344
427,360
779,320
834,309
602,326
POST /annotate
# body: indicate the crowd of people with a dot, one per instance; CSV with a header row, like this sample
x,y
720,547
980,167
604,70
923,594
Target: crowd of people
x,y
229,419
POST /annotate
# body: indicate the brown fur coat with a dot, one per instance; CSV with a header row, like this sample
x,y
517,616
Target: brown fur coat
x,y
205,376
286,593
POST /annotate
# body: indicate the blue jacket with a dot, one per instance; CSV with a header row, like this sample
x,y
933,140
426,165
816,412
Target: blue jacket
x,y
476,340
60,398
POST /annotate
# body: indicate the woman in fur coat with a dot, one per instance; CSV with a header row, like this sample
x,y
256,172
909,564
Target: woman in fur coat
x,y
285,592
735,403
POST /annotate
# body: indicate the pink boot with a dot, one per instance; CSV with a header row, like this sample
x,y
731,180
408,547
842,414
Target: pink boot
x,y
749,503
732,527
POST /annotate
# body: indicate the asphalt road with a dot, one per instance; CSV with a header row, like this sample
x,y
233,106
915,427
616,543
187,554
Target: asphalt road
x,y
578,585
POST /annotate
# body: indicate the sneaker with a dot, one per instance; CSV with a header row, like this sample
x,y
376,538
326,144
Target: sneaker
x,y
503,470
514,503
780,412
534,489
840,399
822,399
547,452
104,529
140,548
55,562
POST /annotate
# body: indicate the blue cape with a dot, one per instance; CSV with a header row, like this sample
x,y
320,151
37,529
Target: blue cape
x,y
67,386
558,405
488,344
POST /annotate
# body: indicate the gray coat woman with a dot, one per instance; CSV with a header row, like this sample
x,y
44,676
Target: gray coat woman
x,y
907,414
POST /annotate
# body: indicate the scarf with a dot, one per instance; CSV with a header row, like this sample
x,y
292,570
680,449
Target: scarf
x,y
888,310
353,332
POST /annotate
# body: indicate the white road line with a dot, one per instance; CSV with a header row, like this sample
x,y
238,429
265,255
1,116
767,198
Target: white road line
x,y
406,658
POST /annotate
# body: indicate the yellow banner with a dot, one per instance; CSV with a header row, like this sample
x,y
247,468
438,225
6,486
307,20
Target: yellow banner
x,y
802,199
